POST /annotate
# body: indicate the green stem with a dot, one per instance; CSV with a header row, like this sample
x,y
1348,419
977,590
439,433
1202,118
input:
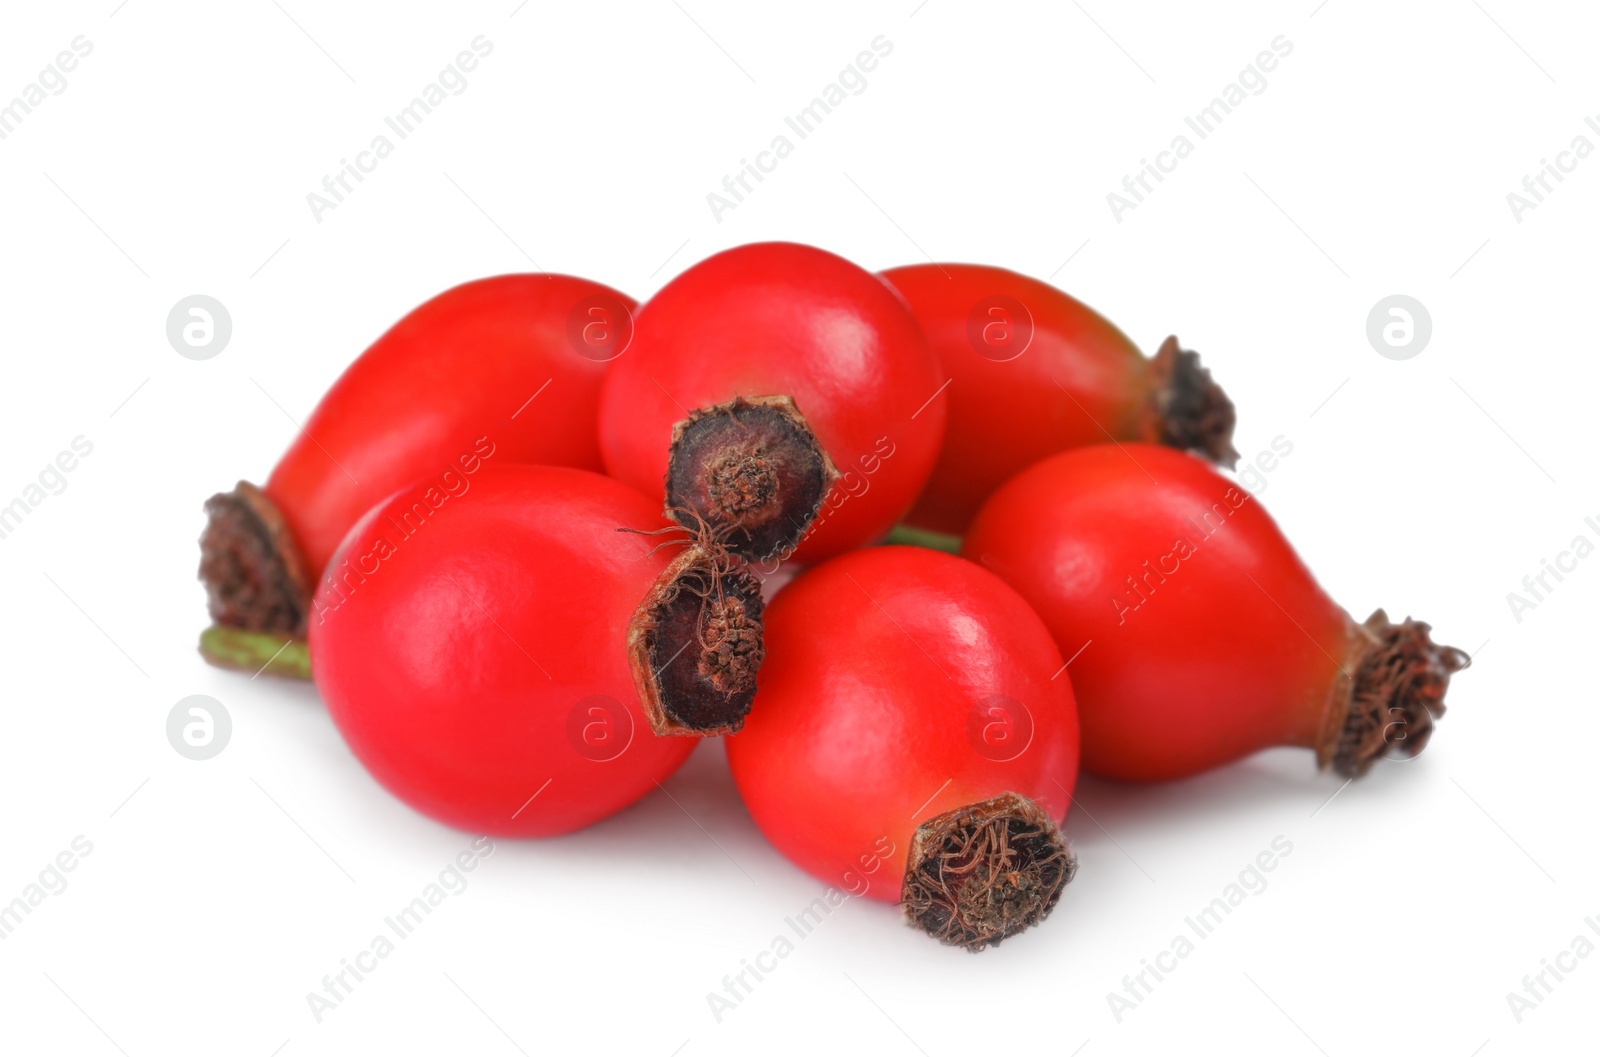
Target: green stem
x,y
915,537
256,652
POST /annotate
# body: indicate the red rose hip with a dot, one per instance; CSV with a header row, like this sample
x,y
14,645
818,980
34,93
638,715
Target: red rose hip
x,y
473,647
776,392
1034,372
1199,636
513,362
915,736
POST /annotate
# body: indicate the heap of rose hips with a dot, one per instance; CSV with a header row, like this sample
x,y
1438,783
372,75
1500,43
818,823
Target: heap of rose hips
x,y
536,542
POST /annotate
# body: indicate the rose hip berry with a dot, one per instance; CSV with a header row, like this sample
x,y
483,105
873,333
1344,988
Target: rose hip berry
x,y
769,387
474,649
914,726
1199,635
514,362
1034,372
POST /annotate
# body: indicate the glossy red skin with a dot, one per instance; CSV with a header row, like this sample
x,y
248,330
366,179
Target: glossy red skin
x,y
1210,666
1078,379
779,318
453,669
455,368
859,730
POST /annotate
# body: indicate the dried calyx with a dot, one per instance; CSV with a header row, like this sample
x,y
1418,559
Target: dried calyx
x,y
982,873
1188,410
750,469
694,643
254,575
1393,690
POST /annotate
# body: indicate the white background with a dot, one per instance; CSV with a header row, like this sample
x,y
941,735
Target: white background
x,y
1377,161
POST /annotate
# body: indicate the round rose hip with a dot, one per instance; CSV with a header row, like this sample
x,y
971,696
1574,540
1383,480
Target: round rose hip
x,y
488,647
778,397
914,732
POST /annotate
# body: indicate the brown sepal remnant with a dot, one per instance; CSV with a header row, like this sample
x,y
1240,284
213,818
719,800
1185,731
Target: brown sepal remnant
x,y
1395,690
694,643
1188,410
982,873
752,470
254,574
